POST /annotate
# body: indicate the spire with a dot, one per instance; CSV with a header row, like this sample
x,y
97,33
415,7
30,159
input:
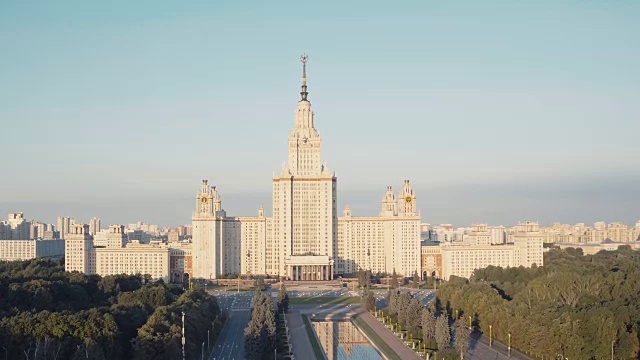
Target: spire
x,y
303,59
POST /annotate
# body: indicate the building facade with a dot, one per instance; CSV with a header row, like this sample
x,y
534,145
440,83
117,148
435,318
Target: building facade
x,y
115,255
431,261
596,234
304,239
30,249
524,248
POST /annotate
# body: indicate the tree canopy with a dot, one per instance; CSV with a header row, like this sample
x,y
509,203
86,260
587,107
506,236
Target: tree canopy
x,y
575,306
48,313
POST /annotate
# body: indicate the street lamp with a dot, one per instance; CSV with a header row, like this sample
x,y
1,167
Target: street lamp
x,y
509,348
490,335
369,257
612,343
183,339
239,264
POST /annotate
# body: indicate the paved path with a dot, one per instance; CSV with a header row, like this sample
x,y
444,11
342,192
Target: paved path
x,y
480,350
403,351
300,343
230,344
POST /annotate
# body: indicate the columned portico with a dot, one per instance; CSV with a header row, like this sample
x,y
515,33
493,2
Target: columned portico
x,y
309,267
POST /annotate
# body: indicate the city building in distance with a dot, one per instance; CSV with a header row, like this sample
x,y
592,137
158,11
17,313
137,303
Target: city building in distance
x,y
304,239
450,251
23,240
476,250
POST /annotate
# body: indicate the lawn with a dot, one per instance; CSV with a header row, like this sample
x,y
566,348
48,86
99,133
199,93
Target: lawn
x,y
328,300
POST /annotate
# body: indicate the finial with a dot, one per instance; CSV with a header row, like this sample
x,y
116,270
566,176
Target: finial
x,y
304,59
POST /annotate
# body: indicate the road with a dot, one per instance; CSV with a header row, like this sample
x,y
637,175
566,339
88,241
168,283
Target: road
x,y
480,350
230,344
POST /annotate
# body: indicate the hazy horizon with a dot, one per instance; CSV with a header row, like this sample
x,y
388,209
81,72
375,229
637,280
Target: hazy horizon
x,y
583,202
497,112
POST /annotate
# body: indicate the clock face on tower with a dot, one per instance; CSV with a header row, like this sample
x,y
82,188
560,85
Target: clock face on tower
x,y
408,199
204,199
304,140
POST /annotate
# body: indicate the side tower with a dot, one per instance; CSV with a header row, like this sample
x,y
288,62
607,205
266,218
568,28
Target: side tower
x,y
207,233
78,247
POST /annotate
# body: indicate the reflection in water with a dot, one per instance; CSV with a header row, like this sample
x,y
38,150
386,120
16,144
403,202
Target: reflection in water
x,y
341,340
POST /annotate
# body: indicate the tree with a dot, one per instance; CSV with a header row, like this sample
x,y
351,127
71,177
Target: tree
x,y
394,279
283,299
413,321
443,332
428,324
258,283
463,335
368,299
416,279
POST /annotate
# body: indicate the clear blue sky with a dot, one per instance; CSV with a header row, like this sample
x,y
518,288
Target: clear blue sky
x,y
497,111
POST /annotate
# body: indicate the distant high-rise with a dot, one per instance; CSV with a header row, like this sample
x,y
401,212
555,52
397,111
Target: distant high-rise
x,y
64,224
94,226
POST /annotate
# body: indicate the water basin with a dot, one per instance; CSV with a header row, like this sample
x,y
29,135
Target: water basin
x,y
341,340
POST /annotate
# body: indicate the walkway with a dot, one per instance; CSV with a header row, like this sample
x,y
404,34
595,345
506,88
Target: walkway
x,y
402,350
300,343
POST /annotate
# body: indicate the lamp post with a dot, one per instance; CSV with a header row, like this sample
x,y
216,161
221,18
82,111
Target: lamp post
x,y
490,336
208,339
612,343
469,322
248,258
386,272
369,256
183,339
509,347
239,264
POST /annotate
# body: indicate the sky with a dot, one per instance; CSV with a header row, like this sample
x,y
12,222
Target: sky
x,y
497,111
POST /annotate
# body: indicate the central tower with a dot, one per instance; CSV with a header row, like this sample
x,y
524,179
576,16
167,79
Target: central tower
x,y
304,140
304,227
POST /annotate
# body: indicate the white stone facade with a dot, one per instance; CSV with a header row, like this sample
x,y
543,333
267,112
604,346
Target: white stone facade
x,y
388,242
304,227
116,256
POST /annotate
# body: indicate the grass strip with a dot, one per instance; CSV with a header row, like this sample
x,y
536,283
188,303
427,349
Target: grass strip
x,y
312,338
388,351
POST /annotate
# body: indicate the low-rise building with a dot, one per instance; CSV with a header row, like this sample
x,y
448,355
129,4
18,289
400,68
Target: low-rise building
x,y
181,261
431,260
30,249
592,248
